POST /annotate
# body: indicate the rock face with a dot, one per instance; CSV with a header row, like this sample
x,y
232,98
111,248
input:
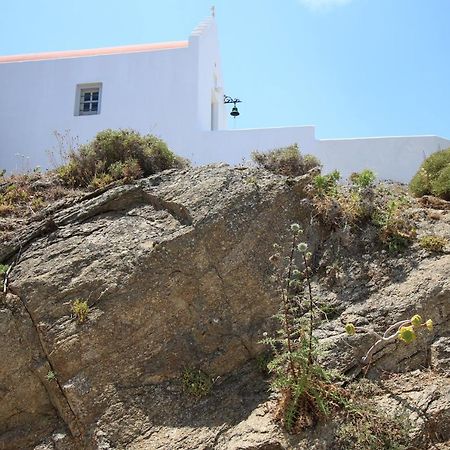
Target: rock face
x,y
174,269
176,274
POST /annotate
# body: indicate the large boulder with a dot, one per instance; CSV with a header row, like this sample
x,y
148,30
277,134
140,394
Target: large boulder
x,y
175,271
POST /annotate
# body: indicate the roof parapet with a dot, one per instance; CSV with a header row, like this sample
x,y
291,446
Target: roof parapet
x,y
138,48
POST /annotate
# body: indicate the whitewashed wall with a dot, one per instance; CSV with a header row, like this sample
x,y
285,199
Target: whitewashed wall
x,y
140,90
236,146
391,158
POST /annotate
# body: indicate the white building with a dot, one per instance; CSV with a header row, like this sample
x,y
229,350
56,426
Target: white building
x,y
173,90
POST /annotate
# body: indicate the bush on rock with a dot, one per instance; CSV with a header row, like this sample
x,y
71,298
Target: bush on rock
x,y
433,177
117,155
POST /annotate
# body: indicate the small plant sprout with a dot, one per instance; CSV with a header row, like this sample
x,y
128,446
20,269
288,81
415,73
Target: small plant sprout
x,y
4,272
51,375
416,320
196,382
407,334
350,329
80,309
405,331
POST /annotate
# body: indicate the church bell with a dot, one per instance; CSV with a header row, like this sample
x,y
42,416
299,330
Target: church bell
x,y
234,111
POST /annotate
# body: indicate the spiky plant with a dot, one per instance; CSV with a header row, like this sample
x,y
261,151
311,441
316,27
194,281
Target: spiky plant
x,y
305,389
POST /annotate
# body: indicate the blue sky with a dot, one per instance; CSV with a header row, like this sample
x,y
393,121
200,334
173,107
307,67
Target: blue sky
x,y
350,67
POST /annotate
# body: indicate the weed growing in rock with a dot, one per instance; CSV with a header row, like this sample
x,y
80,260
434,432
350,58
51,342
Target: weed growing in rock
x,y
286,161
327,185
3,269
396,229
362,202
13,196
51,376
24,195
80,309
3,276
367,428
262,361
196,382
363,180
404,330
305,390
433,243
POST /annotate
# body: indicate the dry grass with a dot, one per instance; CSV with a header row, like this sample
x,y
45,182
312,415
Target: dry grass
x,y
24,196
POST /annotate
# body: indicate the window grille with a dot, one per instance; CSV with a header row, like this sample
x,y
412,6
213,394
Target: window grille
x,y
89,101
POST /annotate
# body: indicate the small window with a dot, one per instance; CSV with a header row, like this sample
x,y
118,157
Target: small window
x,y
88,99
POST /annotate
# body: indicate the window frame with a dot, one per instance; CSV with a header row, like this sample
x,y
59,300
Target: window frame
x,y
82,89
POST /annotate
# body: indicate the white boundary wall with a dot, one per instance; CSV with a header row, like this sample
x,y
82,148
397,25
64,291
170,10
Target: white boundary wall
x,y
391,158
170,93
236,146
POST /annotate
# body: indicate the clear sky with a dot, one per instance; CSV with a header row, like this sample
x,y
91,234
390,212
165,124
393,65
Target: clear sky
x,y
350,67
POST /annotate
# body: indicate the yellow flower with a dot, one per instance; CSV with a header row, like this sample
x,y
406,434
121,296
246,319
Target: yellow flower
x,y
429,325
407,334
350,329
416,320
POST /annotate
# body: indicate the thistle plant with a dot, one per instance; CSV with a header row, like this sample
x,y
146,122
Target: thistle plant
x,y
305,391
404,330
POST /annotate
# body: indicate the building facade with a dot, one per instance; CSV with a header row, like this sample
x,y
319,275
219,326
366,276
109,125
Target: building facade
x,y
173,90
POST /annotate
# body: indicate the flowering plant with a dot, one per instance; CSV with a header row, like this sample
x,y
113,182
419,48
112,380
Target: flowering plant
x,y
404,330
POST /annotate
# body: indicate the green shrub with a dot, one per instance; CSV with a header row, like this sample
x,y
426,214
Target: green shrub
x,y
326,185
363,180
120,154
441,185
127,170
433,177
286,161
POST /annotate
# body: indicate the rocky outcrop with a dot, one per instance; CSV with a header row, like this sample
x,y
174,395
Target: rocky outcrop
x,y
175,270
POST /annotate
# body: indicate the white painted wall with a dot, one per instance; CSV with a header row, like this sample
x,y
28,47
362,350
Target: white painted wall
x,y
168,93
204,43
391,158
236,146
140,91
